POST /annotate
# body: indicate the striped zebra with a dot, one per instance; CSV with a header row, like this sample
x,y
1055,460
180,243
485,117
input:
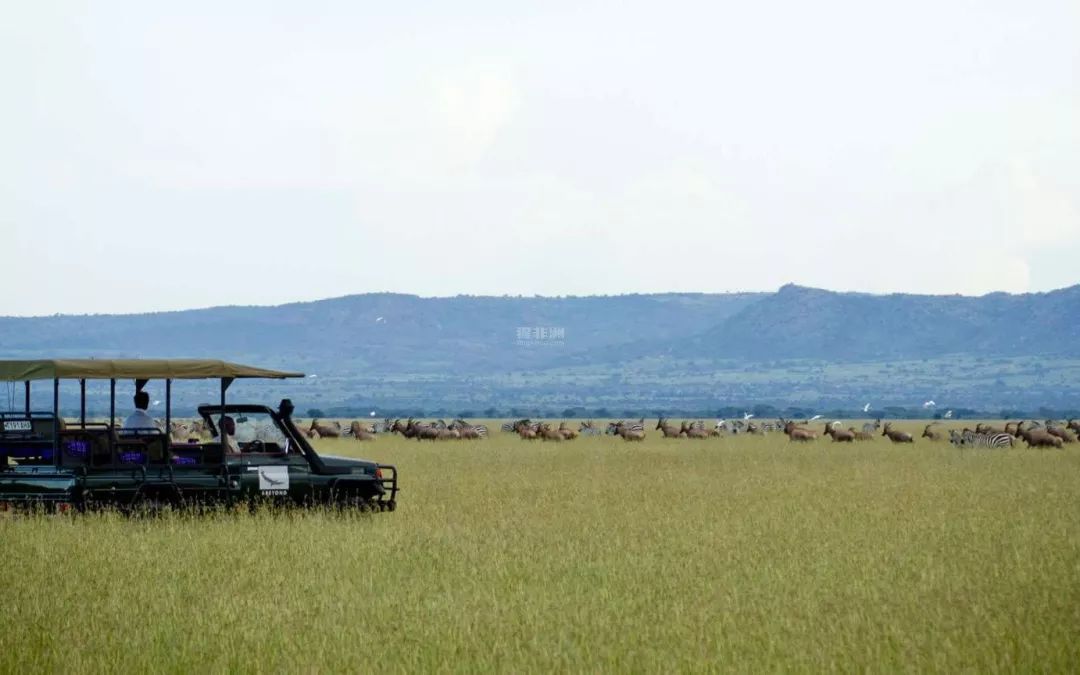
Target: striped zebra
x,y
481,430
971,439
511,427
587,429
869,428
632,427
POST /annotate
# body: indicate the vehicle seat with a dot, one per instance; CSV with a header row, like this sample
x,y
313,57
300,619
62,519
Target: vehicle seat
x,y
79,447
213,453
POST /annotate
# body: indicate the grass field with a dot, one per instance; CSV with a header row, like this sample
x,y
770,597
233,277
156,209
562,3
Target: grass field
x,y
733,554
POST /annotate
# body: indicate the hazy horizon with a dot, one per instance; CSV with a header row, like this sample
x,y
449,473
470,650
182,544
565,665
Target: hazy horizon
x,y
517,295
160,158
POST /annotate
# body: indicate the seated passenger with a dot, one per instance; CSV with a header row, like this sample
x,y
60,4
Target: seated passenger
x,y
230,446
140,419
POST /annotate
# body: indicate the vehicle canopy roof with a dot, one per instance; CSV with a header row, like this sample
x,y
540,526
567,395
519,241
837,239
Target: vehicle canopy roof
x,y
134,369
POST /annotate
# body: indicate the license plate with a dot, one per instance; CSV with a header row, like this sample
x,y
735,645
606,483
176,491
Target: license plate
x,y
17,425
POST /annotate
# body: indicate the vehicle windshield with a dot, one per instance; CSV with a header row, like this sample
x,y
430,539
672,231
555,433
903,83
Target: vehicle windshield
x,y
258,427
256,432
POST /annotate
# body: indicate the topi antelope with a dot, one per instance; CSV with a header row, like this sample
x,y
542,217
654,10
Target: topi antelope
x,y
546,433
927,432
567,433
361,431
895,435
839,435
1038,438
695,432
332,430
861,435
628,432
804,434
670,431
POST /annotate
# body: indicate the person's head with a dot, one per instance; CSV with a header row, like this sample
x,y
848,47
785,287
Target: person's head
x,y
142,400
228,425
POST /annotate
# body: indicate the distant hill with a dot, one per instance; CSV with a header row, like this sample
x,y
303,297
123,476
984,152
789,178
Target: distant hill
x,y
382,332
799,322
669,349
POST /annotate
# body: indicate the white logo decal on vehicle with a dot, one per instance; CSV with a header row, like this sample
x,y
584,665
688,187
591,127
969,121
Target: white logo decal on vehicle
x,y
273,479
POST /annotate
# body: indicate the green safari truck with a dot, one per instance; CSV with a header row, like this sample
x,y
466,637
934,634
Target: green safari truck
x,y
256,453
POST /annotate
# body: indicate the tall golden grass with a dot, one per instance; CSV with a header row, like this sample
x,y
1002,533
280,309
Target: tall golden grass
x,y
745,553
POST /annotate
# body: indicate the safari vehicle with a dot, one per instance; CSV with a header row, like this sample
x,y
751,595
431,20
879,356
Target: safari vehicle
x,y
47,461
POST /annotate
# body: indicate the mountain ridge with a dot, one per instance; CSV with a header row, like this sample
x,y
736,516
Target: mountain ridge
x,y
605,350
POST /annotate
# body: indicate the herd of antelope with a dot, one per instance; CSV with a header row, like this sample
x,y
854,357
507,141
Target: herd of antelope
x,y
1047,434
1034,433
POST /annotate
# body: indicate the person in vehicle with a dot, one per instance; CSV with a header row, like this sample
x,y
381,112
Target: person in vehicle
x,y
140,419
230,446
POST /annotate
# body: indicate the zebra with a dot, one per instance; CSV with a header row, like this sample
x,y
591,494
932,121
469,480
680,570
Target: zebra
x,y
970,439
587,429
633,427
382,427
481,430
871,428
511,427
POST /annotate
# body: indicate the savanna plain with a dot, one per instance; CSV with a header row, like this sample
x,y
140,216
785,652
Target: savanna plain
x,y
739,553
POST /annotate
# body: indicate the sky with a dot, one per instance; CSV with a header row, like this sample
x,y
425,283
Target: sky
x,y
158,156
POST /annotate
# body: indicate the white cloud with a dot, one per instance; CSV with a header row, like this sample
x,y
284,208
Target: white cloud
x,y
1046,213
543,149
472,107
